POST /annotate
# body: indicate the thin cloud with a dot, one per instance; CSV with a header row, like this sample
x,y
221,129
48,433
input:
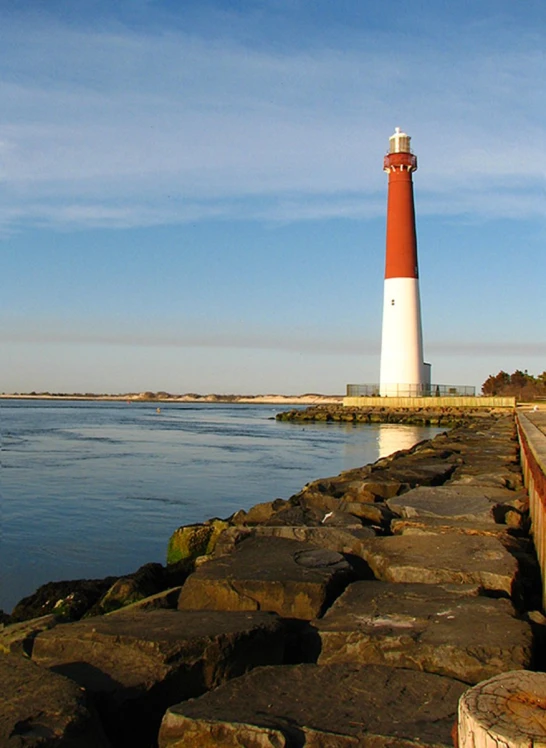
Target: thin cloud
x,y
487,348
304,341
128,129
231,340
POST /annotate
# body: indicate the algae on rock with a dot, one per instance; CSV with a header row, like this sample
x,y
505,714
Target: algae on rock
x,y
191,541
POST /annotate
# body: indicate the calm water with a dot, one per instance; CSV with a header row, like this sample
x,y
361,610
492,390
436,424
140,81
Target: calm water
x,y
91,488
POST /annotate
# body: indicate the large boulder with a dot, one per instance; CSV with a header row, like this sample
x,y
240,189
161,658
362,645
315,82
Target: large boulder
x,y
330,706
448,525
346,540
41,709
146,581
293,579
18,638
444,629
191,541
435,559
259,513
458,502
67,600
135,664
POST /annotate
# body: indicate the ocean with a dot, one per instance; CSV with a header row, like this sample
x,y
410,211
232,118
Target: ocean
x,y
91,489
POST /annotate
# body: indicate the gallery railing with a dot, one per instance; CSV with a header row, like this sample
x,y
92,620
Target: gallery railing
x,y
410,390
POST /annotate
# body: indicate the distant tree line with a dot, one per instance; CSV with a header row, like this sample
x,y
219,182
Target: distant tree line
x,y
521,384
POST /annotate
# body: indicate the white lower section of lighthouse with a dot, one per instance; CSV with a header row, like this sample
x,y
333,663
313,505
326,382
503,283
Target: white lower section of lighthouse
x,y
403,372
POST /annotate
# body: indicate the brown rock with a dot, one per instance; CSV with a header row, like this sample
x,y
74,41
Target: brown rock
x,y
135,664
317,504
295,580
19,637
259,513
190,541
343,540
167,599
420,472
331,706
41,708
310,514
68,600
435,559
377,514
358,491
458,502
382,487
146,581
444,629
341,518
439,526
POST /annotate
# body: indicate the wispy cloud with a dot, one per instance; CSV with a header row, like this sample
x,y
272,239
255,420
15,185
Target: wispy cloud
x,y
253,337
488,348
124,128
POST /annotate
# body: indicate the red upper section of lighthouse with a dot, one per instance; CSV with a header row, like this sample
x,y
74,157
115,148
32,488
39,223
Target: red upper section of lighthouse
x,y
401,255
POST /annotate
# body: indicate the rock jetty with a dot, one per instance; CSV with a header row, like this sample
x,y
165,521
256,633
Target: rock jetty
x,y
355,613
429,416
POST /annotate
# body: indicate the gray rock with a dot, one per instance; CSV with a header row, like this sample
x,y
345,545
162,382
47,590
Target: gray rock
x,y
267,574
377,513
443,526
41,708
135,664
259,513
330,706
340,539
306,515
486,472
435,559
461,502
436,629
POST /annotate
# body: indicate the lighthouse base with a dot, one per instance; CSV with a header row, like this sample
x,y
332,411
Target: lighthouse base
x,y
403,372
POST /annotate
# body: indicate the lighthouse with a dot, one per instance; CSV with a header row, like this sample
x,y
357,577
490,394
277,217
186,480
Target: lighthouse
x,y
403,371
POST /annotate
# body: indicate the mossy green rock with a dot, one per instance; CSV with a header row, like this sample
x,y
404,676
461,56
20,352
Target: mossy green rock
x,y
191,541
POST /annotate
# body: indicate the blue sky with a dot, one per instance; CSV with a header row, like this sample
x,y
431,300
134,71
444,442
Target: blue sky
x,y
192,195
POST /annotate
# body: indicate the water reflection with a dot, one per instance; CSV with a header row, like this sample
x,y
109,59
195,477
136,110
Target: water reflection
x,y
393,437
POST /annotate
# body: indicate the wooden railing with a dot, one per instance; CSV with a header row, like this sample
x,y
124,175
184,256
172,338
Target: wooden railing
x,y
533,461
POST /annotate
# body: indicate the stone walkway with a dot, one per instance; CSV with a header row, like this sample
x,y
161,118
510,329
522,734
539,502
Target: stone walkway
x,y
537,417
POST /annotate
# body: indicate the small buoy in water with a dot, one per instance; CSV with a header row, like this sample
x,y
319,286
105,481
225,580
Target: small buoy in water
x,y
158,410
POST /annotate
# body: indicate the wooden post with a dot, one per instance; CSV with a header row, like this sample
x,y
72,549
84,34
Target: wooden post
x,y
507,711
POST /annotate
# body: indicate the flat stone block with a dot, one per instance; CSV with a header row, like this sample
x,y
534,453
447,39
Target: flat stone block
x,y
342,540
41,708
422,472
135,664
435,559
293,579
18,638
460,502
441,526
330,706
444,629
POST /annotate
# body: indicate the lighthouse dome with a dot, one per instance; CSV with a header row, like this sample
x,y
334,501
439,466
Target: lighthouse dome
x,y
399,142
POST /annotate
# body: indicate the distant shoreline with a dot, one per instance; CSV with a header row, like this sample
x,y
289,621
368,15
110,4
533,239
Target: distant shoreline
x,y
149,397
